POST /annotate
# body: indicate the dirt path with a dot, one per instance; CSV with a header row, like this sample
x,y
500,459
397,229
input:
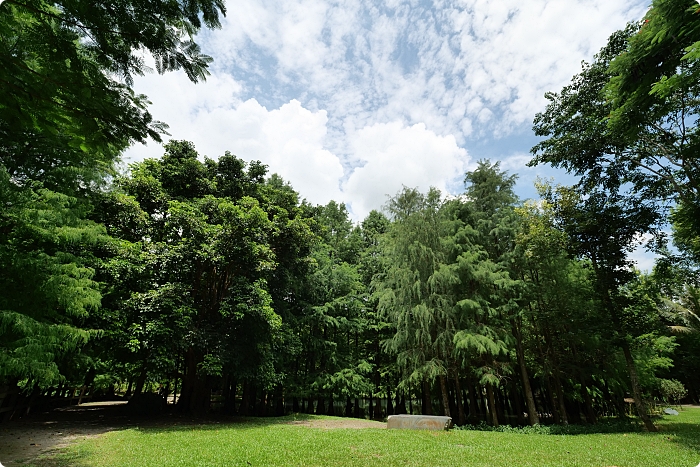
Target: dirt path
x,y
330,424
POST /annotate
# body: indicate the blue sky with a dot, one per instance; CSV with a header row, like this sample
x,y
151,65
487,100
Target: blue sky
x,y
350,100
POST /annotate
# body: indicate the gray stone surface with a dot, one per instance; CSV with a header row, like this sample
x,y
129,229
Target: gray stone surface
x,y
419,422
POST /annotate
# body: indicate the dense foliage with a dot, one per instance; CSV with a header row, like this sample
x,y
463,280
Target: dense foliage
x,y
214,282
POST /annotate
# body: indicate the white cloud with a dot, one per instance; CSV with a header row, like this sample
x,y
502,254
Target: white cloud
x,y
397,155
368,96
289,139
516,163
443,63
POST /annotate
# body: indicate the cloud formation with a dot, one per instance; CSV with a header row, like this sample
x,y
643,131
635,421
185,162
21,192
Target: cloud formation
x,y
349,100
396,155
457,66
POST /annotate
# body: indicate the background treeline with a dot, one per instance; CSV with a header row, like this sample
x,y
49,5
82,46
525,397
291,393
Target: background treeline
x,y
214,281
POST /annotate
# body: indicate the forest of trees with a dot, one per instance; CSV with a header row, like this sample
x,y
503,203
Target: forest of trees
x,y
215,281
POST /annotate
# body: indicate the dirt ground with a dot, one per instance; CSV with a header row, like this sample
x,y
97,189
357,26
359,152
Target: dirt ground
x,y
340,423
41,434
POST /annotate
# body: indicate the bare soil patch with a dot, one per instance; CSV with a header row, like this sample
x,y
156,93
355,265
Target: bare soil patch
x,y
330,424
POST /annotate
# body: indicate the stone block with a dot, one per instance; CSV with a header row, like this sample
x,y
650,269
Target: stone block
x,y
419,422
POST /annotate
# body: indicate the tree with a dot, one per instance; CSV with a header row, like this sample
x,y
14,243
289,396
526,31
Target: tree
x,y
47,281
415,289
489,286
209,301
66,113
61,106
602,228
629,120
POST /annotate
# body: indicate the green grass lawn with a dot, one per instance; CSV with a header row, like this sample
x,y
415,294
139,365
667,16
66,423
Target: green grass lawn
x,y
272,442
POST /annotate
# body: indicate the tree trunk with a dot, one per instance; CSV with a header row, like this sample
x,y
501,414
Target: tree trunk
x,y
517,403
331,408
196,392
590,413
401,406
532,417
461,416
141,380
636,390
245,400
560,398
492,404
552,402
445,396
615,401
389,403
309,405
473,406
500,405
427,402
279,401
378,408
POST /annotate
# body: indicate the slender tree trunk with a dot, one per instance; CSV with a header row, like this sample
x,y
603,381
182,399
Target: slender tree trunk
x,y
141,380
552,401
401,406
245,400
532,416
279,401
636,390
492,404
389,405
615,401
331,408
473,406
500,405
461,417
560,398
427,399
590,413
445,396
517,403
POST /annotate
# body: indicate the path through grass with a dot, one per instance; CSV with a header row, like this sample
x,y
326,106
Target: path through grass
x,y
276,442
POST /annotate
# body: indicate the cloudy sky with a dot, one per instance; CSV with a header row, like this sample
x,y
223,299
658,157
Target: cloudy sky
x,y
349,100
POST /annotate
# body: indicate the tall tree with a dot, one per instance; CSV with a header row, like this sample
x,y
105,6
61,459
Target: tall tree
x,y
66,113
603,228
415,289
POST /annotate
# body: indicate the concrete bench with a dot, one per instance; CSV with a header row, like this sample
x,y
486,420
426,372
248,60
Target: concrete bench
x,y
419,422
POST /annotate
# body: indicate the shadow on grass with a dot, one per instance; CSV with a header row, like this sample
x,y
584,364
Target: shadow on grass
x,y
169,424
686,434
60,458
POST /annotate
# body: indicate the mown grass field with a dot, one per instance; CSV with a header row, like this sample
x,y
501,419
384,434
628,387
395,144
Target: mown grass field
x,y
276,442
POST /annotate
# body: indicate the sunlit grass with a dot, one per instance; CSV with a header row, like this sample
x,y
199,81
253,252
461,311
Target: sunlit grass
x,y
273,442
